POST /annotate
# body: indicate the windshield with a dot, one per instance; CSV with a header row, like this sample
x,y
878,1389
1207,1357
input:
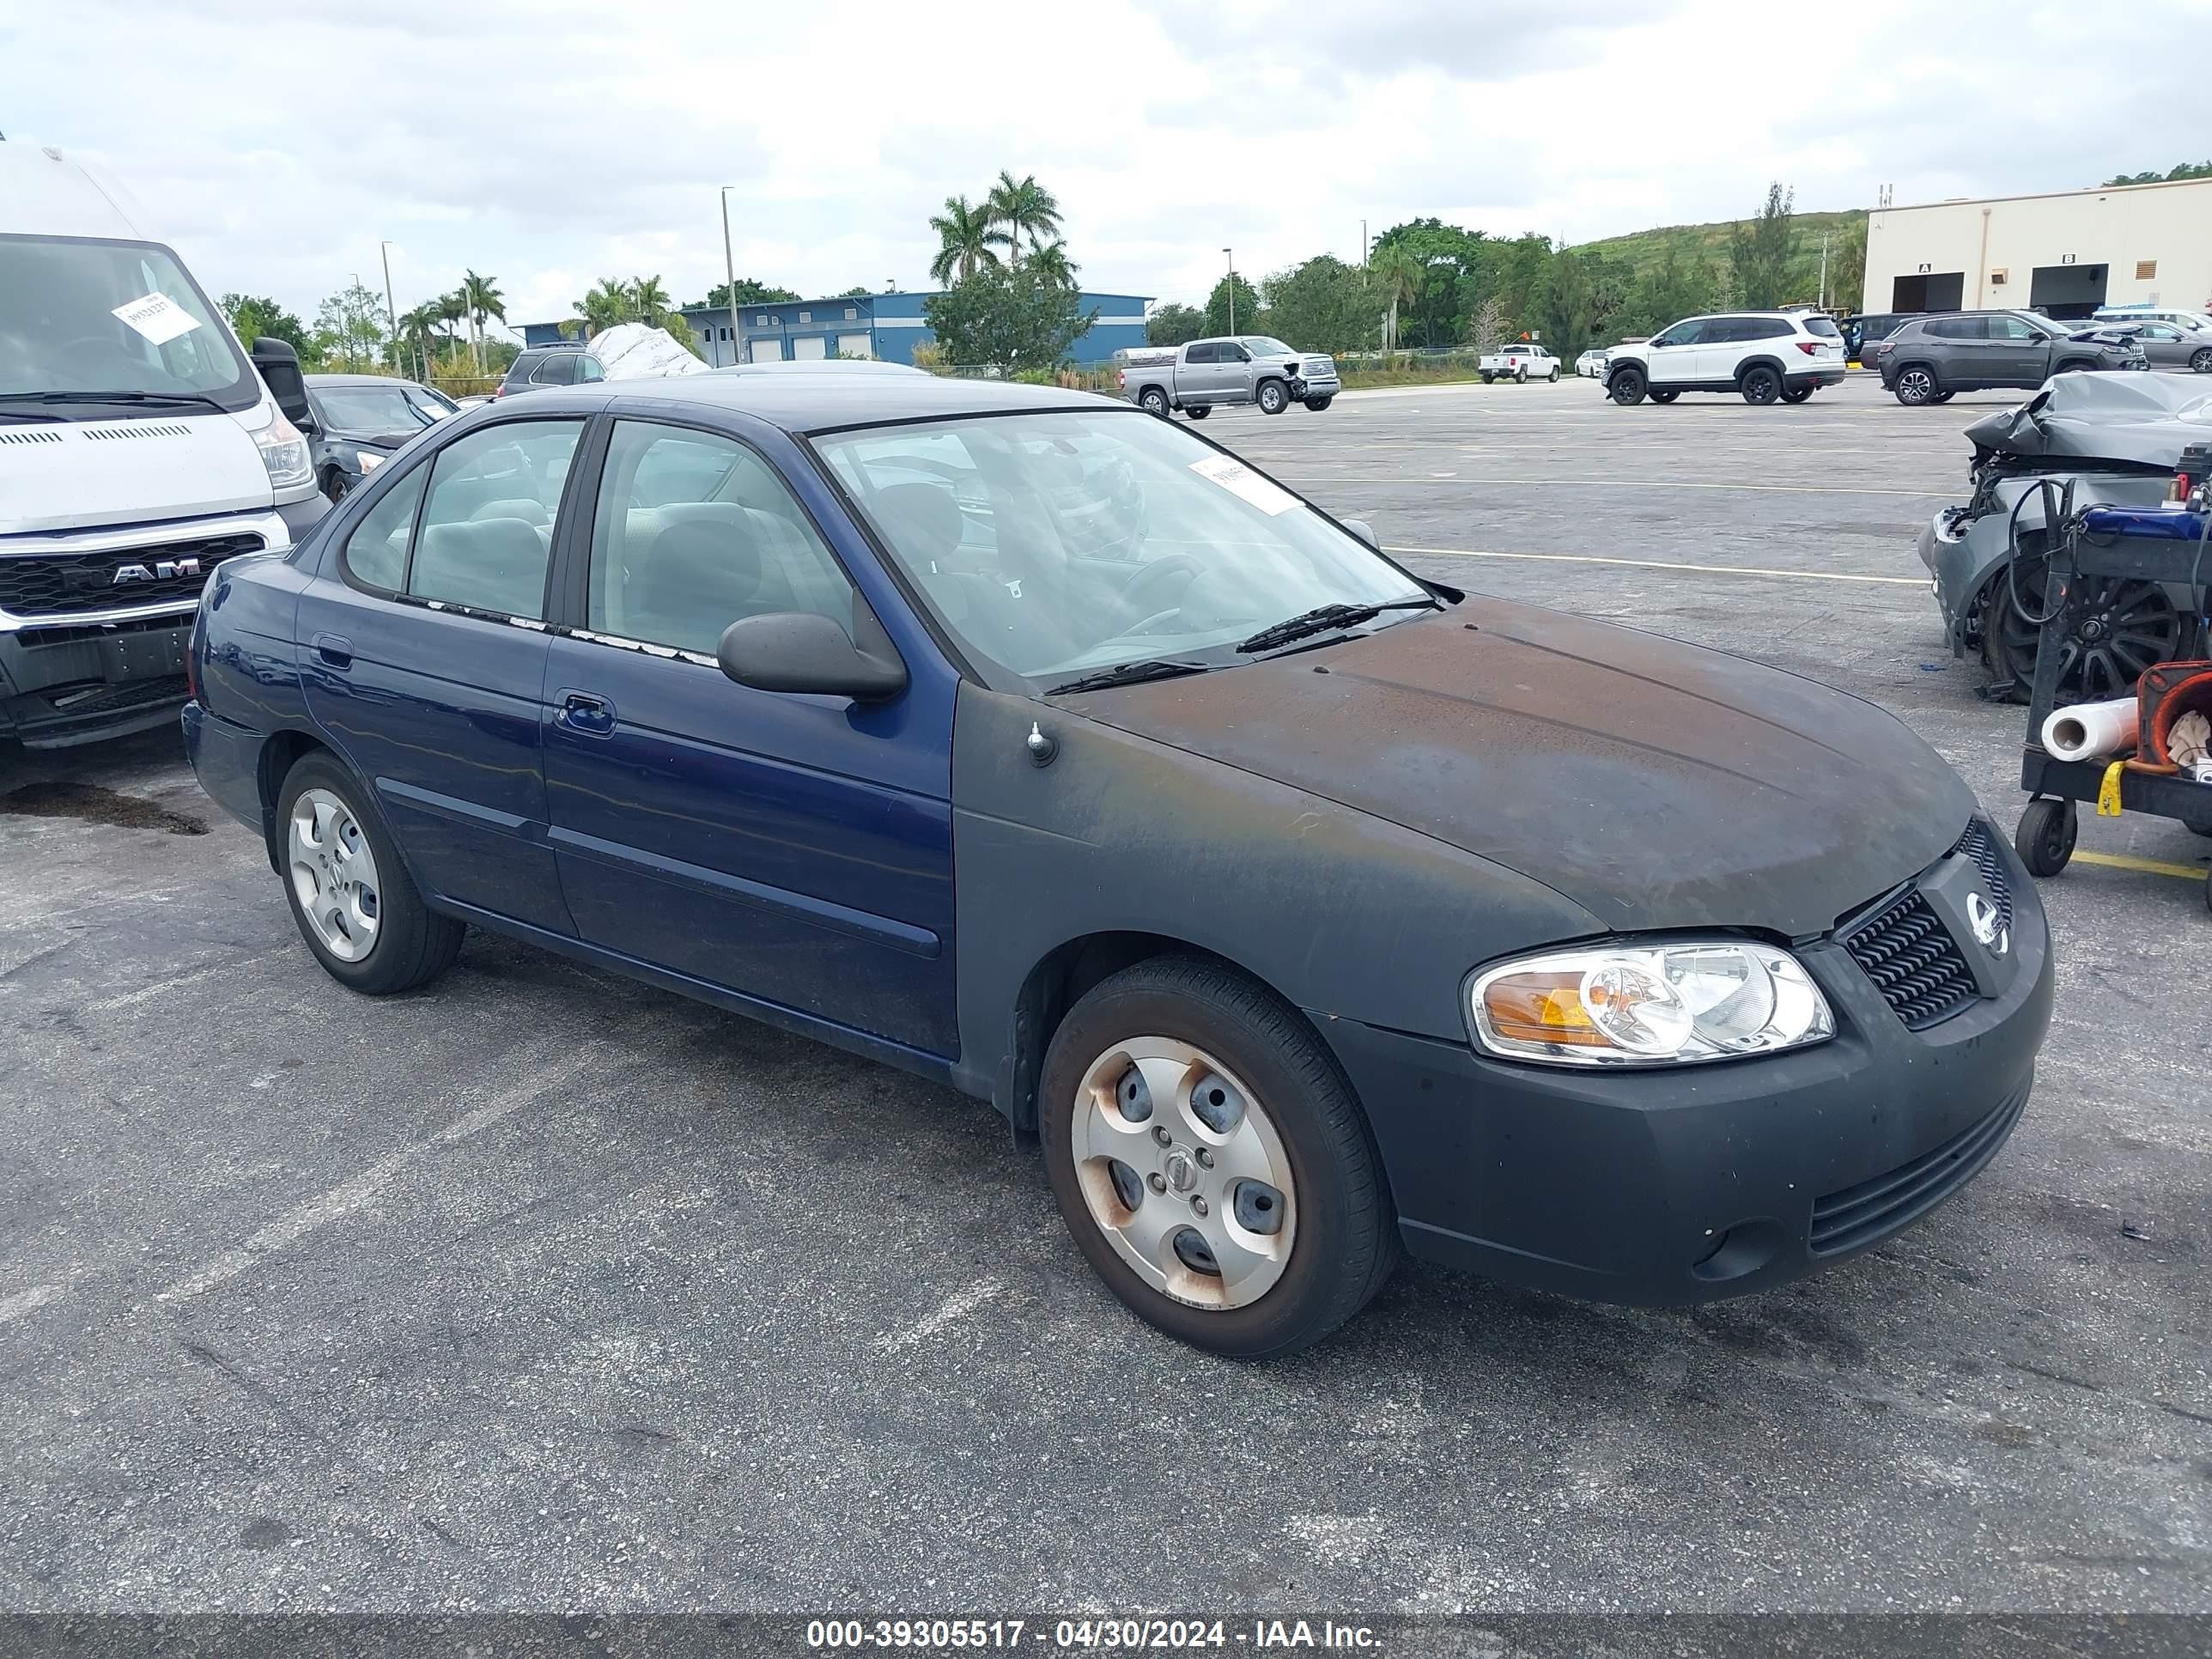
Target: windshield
x,y
80,314
379,409
1056,542
1261,346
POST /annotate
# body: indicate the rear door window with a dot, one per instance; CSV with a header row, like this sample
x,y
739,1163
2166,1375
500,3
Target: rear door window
x,y
559,368
1823,326
486,536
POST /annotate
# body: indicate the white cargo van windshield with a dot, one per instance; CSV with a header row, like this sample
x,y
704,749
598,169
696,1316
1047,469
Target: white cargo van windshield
x,y
90,328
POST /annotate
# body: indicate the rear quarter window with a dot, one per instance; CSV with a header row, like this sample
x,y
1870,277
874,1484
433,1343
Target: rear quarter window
x,y
1823,326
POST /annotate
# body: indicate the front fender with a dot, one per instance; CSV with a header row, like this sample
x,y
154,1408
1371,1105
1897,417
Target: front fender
x,y
1345,915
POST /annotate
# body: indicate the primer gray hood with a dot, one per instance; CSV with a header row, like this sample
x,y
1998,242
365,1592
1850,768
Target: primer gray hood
x,y
1655,784
2143,419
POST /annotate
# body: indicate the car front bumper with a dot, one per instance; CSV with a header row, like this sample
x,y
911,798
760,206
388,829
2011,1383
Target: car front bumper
x,y
1669,1187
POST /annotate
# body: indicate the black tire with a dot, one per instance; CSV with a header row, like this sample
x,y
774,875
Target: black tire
x,y
1488,377
1915,385
2045,839
1153,401
1626,387
2116,626
1660,395
1521,376
1199,412
1273,397
334,486
2201,360
1555,374
1796,394
414,944
1943,397
1318,405
1347,1241
1759,385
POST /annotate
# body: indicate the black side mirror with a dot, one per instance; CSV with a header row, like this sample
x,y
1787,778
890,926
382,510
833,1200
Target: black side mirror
x,y
279,367
801,651
1365,532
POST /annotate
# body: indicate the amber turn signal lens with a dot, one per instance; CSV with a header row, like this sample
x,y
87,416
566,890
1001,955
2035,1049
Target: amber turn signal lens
x,y
1540,1008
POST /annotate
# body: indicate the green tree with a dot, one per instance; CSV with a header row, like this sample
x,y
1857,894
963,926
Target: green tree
x,y
349,327
483,300
1847,266
1322,304
419,333
858,291
1173,324
966,240
1050,261
1009,318
750,293
2186,170
452,312
1759,252
254,315
609,301
1397,273
1667,290
651,301
1247,318
679,330
1582,294
1024,208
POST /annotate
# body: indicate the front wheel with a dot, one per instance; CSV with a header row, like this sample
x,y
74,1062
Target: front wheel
x,y
1274,397
351,895
334,486
1153,401
1626,387
1318,405
2045,839
1211,1162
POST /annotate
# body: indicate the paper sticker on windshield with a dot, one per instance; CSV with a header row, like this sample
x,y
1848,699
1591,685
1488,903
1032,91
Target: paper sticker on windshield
x,y
157,317
1241,481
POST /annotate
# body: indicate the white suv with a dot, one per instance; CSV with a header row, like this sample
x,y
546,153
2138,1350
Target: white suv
x,y
1763,354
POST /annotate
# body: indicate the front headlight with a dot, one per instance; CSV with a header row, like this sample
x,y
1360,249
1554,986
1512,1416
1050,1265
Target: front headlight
x,y
1630,1005
284,452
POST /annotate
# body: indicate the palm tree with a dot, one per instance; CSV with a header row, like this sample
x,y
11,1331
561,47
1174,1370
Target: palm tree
x,y
418,328
964,239
610,300
453,310
651,299
1050,261
1399,275
482,296
1024,206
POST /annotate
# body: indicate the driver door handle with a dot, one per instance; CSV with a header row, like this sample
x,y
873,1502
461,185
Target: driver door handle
x,y
582,711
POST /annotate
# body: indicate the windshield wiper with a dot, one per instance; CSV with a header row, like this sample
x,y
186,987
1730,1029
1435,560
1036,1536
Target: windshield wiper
x,y
170,397
1323,617
1131,673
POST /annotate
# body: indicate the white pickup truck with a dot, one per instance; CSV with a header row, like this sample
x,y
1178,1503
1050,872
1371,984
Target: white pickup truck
x,y
1248,368
1520,361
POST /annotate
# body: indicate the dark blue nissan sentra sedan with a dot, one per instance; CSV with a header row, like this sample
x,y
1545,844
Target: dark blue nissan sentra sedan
x,y
1301,908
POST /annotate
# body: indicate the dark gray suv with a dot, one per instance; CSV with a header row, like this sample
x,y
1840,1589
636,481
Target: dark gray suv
x,y
1927,359
566,364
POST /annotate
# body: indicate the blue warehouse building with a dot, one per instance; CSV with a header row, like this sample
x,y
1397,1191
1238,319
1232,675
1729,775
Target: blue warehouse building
x,y
884,326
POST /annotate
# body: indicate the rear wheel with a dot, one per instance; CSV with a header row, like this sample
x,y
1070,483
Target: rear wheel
x,y
1153,401
1273,397
1626,387
1760,385
1199,412
1488,377
2201,361
1555,374
350,895
1211,1161
2045,839
1916,386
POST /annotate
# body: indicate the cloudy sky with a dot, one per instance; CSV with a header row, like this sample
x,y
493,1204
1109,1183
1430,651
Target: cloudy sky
x,y
551,142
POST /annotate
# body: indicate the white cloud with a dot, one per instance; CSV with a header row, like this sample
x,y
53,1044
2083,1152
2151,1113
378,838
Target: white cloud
x,y
527,139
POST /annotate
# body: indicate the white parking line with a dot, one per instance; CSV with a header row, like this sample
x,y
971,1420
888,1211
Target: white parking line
x,y
1660,564
25,1302
958,1305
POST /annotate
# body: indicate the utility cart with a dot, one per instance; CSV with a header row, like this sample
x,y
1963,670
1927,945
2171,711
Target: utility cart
x,y
2153,545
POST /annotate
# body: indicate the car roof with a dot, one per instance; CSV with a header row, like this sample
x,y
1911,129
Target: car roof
x,y
818,403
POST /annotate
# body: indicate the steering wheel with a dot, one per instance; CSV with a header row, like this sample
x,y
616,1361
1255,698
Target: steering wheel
x,y
1141,593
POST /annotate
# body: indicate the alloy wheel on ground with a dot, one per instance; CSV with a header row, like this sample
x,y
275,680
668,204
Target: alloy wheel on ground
x,y
2201,361
333,873
1916,386
2115,629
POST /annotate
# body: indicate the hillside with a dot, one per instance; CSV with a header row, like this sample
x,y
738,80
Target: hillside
x,y
1642,248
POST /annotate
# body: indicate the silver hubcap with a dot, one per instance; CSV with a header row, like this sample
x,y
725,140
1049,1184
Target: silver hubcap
x,y
1183,1171
334,875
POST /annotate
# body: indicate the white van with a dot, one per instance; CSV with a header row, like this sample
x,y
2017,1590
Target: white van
x,y
139,447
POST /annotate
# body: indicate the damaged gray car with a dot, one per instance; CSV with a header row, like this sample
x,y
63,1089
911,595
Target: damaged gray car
x,y
2109,439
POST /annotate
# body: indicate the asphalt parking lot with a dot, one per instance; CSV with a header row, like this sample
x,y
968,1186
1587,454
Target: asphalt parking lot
x,y
544,1289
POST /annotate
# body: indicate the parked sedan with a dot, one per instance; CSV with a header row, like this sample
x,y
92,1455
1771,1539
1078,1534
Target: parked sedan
x,y
2165,344
360,419
1591,364
1300,909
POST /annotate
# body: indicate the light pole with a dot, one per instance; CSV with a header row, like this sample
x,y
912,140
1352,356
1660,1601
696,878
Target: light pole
x,y
1231,252
391,311
730,272
1363,244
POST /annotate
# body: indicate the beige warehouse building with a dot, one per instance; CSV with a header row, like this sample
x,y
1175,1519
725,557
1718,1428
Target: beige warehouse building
x,y
2067,253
